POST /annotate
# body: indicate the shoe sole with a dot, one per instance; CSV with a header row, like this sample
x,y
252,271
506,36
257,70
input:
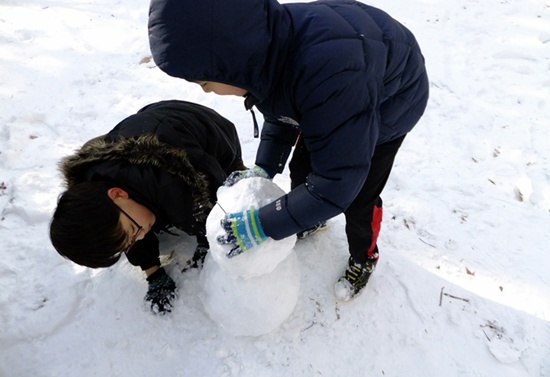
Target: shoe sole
x,y
306,234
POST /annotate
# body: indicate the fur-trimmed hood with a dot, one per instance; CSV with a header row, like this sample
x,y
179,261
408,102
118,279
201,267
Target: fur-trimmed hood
x,y
145,150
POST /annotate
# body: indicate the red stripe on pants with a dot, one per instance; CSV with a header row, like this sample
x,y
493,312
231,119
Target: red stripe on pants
x,y
376,224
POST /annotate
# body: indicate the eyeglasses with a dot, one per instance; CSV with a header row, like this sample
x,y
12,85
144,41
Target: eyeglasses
x,y
136,234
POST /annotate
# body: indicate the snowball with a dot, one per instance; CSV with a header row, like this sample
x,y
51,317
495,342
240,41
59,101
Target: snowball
x,y
254,306
343,290
262,259
253,293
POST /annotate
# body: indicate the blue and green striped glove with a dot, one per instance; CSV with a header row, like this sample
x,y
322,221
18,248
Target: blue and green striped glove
x,y
243,230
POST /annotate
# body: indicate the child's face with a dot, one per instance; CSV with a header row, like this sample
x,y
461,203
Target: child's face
x,y
139,214
221,89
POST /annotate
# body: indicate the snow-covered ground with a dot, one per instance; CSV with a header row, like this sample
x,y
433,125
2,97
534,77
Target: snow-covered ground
x,y
462,287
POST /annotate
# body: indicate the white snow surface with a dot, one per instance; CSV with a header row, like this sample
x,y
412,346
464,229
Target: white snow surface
x,y
462,287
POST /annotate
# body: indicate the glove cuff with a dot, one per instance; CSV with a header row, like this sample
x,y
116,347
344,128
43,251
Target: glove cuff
x,y
156,275
262,172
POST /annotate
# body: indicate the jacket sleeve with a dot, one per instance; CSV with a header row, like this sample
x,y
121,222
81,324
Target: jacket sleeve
x,y
340,124
276,143
145,252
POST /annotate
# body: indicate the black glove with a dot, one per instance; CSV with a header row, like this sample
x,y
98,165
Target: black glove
x,y
162,291
198,258
238,175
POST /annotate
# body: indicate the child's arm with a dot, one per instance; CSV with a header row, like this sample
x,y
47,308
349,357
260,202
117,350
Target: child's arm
x,y
162,290
151,270
145,253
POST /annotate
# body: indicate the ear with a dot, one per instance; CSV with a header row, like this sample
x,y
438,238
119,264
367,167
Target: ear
x,y
117,193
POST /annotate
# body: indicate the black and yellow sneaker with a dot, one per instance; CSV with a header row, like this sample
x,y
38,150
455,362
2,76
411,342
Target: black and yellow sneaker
x,y
354,280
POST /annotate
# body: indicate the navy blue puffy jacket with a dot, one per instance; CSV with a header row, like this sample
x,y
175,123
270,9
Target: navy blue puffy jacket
x,y
344,74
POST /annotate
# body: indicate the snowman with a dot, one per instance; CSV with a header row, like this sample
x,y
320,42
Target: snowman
x,y
253,293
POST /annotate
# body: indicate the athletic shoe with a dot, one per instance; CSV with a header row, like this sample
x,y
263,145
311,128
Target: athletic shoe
x,y
314,229
355,278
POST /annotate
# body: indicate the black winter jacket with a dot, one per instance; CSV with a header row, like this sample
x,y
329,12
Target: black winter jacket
x,y
171,157
344,74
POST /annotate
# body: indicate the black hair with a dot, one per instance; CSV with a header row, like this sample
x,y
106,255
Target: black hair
x,y
85,227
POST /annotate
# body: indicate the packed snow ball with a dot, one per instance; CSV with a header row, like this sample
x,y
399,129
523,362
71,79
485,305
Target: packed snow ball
x,y
255,292
262,259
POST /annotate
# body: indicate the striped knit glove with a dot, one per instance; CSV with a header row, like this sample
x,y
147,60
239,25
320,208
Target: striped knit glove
x,y
243,231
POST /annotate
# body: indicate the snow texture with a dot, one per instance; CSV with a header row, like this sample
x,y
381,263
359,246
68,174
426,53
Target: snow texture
x,y
462,286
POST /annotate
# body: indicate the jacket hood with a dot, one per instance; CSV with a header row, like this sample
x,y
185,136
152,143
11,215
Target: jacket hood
x,y
232,42
145,150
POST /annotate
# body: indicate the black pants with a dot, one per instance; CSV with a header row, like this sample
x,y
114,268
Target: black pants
x,y
364,215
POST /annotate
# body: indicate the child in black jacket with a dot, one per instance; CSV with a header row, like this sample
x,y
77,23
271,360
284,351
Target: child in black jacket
x,y
156,169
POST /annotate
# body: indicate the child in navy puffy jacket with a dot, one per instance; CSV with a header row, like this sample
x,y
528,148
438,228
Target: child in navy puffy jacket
x,y
341,81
